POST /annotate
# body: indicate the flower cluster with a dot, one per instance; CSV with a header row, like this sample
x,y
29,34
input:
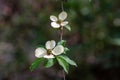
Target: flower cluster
x,y
59,22
51,50
54,51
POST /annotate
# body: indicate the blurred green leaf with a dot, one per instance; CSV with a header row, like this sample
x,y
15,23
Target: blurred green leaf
x,y
115,41
66,49
68,27
62,42
67,59
36,64
63,63
49,63
41,46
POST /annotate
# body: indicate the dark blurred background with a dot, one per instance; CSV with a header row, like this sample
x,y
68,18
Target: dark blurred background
x,y
94,41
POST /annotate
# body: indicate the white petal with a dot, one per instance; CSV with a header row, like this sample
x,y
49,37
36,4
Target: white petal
x,y
50,44
49,56
55,25
53,18
58,50
64,23
62,15
40,52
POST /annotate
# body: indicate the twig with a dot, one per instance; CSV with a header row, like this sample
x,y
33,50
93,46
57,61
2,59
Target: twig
x,y
62,7
63,75
61,35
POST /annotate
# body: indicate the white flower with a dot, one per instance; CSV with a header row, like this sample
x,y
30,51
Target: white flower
x,y
50,50
58,22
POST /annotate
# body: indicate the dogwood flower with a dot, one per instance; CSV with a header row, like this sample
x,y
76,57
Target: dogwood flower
x,y
59,22
50,51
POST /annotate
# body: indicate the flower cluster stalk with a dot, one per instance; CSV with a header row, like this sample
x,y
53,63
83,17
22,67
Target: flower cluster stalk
x,y
61,36
55,51
62,6
61,33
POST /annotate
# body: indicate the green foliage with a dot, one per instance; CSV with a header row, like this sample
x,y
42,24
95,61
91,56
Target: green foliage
x,y
63,63
115,41
36,64
49,63
68,27
68,60
66,49
62,42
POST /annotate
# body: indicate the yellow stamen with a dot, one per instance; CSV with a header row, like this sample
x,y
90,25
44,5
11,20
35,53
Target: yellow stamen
x,y
59,21
49,51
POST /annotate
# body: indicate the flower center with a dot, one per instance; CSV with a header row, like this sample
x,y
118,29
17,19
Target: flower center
x,y
49,51
59,21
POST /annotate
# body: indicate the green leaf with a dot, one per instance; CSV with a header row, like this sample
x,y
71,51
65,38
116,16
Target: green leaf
x,y
35,64
68,27
66,49
49,63
62,42
63,63
115,41
67,59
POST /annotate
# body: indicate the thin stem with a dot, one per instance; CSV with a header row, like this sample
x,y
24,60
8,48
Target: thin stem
x,y
61,33
61,29
62,6
63,75
61,37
